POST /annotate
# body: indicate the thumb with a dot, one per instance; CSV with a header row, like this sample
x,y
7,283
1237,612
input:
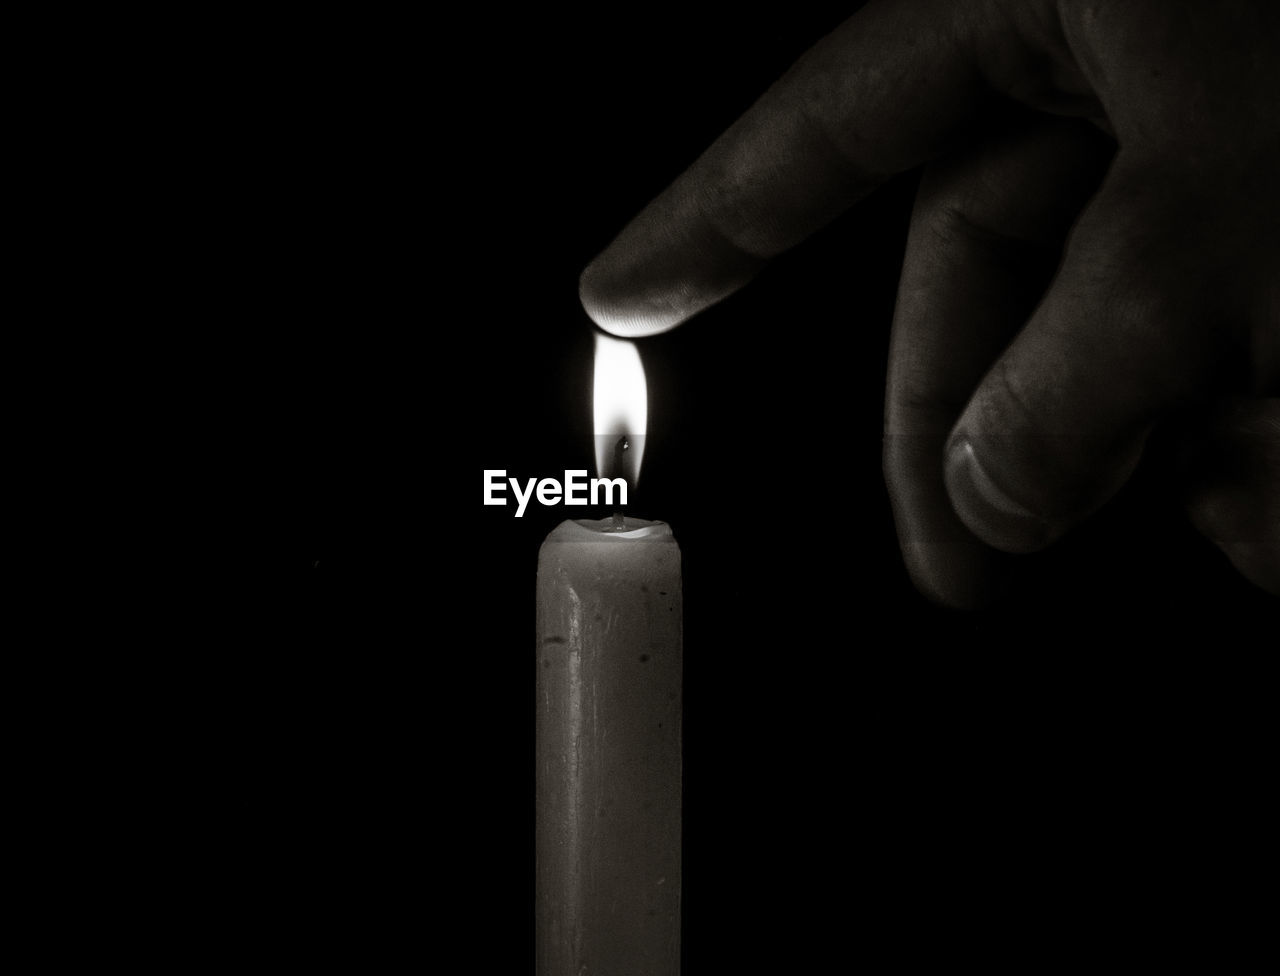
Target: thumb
x,y
1134,325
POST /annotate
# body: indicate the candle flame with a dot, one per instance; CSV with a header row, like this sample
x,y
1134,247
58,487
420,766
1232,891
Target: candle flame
x,y
621,408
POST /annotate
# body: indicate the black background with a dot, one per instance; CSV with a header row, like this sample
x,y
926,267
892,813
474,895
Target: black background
x,y
862,768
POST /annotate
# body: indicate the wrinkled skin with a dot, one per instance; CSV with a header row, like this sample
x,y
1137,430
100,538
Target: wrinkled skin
x,y
1098,262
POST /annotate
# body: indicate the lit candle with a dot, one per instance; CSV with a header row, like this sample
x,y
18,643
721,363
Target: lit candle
x,y
609,740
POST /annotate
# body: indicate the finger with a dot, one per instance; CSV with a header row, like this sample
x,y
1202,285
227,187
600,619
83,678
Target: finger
x,y
1235,496
986,233
1146,315
881,94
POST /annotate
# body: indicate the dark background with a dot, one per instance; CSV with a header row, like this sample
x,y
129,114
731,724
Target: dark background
x,y
861,766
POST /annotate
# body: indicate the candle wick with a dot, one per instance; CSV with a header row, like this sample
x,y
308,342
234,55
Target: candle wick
x,y
620,448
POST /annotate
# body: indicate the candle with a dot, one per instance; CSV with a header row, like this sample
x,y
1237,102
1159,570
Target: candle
x,y
609,717
609,750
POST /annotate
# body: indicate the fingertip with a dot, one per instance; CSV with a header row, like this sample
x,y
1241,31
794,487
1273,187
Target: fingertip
x,y
618,314
1226,519
1257,562
1233,495
987,510
955,575
946,564
665,267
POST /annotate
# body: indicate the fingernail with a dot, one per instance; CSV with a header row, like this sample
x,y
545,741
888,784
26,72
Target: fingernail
x,y
986,510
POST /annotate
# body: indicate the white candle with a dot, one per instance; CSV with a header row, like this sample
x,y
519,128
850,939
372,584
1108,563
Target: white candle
x,y
609,750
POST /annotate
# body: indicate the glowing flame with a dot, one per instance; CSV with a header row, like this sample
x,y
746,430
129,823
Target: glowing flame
x,y
621,408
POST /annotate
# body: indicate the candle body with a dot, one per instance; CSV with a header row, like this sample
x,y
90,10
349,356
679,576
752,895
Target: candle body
x,y
609,751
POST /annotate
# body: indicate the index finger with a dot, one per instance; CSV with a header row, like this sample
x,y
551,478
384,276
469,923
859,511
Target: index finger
x,y
879,95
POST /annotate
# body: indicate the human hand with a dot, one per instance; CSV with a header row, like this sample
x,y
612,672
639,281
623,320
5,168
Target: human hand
x,y
1094,252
